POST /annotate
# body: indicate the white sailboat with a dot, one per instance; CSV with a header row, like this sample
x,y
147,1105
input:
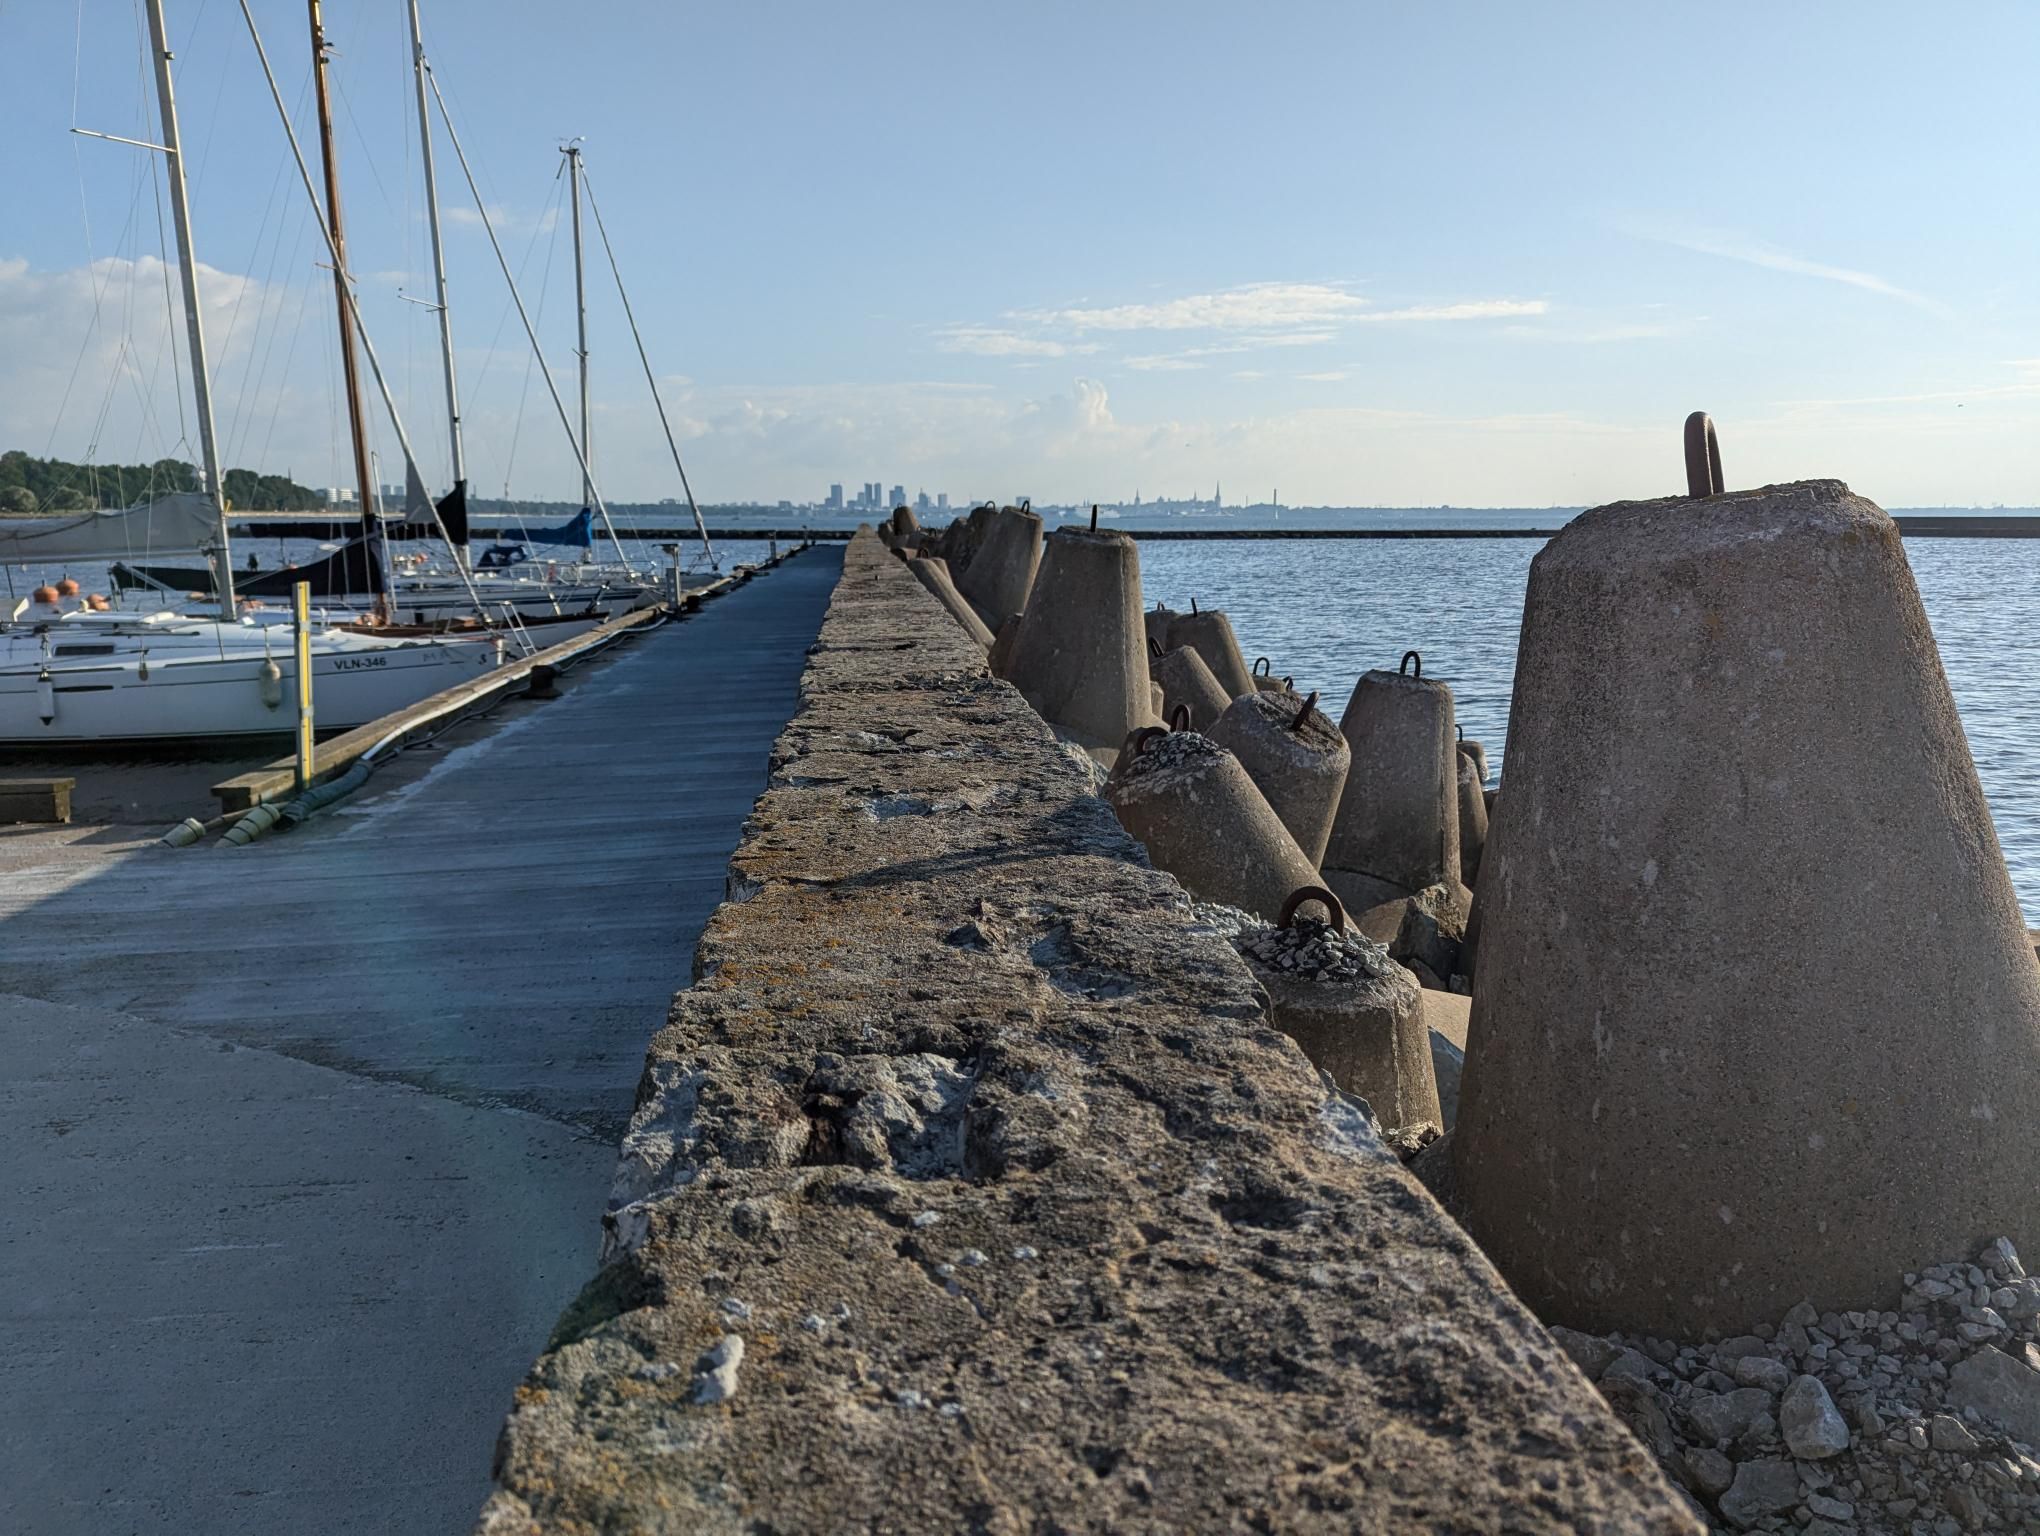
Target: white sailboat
x,y
72,674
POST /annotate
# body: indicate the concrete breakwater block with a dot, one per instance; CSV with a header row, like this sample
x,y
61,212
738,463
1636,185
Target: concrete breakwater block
x,y
1187,683
1468,747
1265,679
1425,929
1001,572
1156,622
1210,633
1013,1201
1356,1013
1204,821
1472,819
1296,756
932,571
1399,815
1080,655
1738,1041
904,524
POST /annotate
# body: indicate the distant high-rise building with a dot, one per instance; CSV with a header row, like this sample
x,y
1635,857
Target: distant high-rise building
x,y
921,502
899,496
942,501
835,498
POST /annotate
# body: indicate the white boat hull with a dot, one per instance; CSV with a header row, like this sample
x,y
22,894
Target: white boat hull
x,y
125,698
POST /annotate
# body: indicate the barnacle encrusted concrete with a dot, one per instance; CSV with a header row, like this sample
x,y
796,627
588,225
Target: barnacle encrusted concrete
x,y
970,1189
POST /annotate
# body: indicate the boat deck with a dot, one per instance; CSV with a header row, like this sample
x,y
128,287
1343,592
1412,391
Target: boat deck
x,y
306,1141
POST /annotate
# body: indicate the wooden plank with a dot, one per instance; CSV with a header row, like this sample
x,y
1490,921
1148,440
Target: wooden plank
x,y
36,799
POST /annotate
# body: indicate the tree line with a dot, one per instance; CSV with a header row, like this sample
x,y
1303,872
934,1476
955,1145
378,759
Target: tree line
x,y
29,486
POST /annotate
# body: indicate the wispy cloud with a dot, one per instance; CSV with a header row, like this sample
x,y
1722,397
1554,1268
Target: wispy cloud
x,y
506,219
1330,376
994,341
1760,253
1255,306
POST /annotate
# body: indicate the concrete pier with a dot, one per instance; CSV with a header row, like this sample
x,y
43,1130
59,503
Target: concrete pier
x,y
305,1141
971,1189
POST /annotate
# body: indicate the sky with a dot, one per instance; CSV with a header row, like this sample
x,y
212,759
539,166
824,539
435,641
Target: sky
x,y
1476,255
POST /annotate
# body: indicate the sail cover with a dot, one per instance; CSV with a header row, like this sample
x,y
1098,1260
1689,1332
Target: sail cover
x,y
182,523
578,530
353,570
423,518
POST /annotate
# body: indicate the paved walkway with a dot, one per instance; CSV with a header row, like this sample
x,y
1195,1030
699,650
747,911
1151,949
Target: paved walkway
x,y
306,1143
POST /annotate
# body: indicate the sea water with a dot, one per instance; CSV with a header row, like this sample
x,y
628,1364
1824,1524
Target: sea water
x,y
1325,610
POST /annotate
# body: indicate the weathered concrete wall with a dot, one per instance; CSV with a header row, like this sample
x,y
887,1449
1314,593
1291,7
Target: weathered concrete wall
x,y
970,1190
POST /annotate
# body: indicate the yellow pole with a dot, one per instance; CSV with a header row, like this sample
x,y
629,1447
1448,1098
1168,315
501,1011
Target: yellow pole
x,y
301,616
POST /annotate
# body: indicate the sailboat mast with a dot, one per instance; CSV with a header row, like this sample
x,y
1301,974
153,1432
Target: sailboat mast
x,y
419,67
350,369
573,154
194,323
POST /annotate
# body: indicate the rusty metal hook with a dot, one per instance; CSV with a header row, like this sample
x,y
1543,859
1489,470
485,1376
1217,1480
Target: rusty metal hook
x,y
1094,517
1180,712
1154,647
1262,667
1703,457
1405,670
1303,714
1317,893
1193,605
1288,683
1146,737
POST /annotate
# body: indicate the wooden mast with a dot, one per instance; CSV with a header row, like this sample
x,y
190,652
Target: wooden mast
x,y
364,477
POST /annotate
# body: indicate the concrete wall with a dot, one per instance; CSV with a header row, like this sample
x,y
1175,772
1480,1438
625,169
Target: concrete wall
x,y
970,1190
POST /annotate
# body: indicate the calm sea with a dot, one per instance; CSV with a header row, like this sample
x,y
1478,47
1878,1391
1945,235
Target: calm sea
x,y
1324,611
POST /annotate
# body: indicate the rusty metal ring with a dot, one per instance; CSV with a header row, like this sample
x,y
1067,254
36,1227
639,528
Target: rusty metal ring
x,y
1154,647
1180,712
1703,457
1288,683
1094,517
1262,667
1305,893
1303,714
1146,737
1408,659
1193,605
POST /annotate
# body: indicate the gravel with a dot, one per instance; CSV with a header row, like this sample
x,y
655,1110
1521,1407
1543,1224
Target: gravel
x,y
1309,950
1918,1422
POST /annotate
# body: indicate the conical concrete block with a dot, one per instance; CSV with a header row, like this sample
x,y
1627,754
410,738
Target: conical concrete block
x,y
1297,757
1002,646
933,573
1157,700
1209,633
1202,819
1001,573
1468,747
1738,1040
1472,818
1355,1012
1263,674
1399,817
1187,681
1157,621
904,523
1079,656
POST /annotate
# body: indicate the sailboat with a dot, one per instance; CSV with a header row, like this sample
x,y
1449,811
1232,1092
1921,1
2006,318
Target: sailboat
x,y
73,673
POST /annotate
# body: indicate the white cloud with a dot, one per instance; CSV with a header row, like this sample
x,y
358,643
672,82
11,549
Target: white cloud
x,y
1331,376
506,219
1481,309
1255,306
992,341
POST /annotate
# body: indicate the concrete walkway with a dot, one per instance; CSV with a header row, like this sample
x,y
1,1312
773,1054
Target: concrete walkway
x,y
306,1143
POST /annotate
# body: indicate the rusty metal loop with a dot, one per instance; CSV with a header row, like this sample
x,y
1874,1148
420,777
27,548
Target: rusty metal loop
x,y
1288,683
1305,893
1154,647
1407,670
1703,457
1460,729
1094,517
1180,712
1146,737
1303,714
1262,667
1193,605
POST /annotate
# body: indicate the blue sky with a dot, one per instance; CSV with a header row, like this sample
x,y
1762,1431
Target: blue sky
x,y
1484,255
